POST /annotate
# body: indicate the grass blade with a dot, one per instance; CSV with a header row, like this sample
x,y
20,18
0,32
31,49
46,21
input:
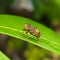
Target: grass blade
x,y
3,57
13,26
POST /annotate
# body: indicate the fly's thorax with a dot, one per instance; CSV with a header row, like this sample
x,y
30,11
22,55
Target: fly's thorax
x,y
34,32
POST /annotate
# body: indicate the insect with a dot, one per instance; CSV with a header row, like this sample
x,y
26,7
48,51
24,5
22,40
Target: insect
x,y
32,30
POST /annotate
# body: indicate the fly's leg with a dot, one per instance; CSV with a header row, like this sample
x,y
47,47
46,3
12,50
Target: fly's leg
x,y
25,31
37,38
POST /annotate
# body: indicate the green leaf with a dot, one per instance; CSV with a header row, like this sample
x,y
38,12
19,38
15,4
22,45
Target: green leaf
x,y
51,8
13,26
58,2
38,8
3,57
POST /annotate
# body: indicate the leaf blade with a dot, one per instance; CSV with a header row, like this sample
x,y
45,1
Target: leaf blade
x,y
3,57
13,26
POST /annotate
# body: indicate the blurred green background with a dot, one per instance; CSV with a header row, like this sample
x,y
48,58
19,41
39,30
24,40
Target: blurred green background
x,y
46,12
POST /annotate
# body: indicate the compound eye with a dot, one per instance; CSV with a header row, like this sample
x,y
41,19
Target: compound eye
x,y
37,30
27,26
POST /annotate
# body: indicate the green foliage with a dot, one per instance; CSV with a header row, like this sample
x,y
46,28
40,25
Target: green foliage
x,y
34,52
13,26
48,7
3,57
6,3
15,44
58,2
38,8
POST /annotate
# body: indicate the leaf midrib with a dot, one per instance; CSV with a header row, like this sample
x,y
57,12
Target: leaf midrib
x,y
23,31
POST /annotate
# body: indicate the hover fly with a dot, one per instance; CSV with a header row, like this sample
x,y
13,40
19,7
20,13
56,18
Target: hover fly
x,y
32,30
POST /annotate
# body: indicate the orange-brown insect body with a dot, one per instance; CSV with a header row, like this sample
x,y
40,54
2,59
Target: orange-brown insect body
x,y
32,30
